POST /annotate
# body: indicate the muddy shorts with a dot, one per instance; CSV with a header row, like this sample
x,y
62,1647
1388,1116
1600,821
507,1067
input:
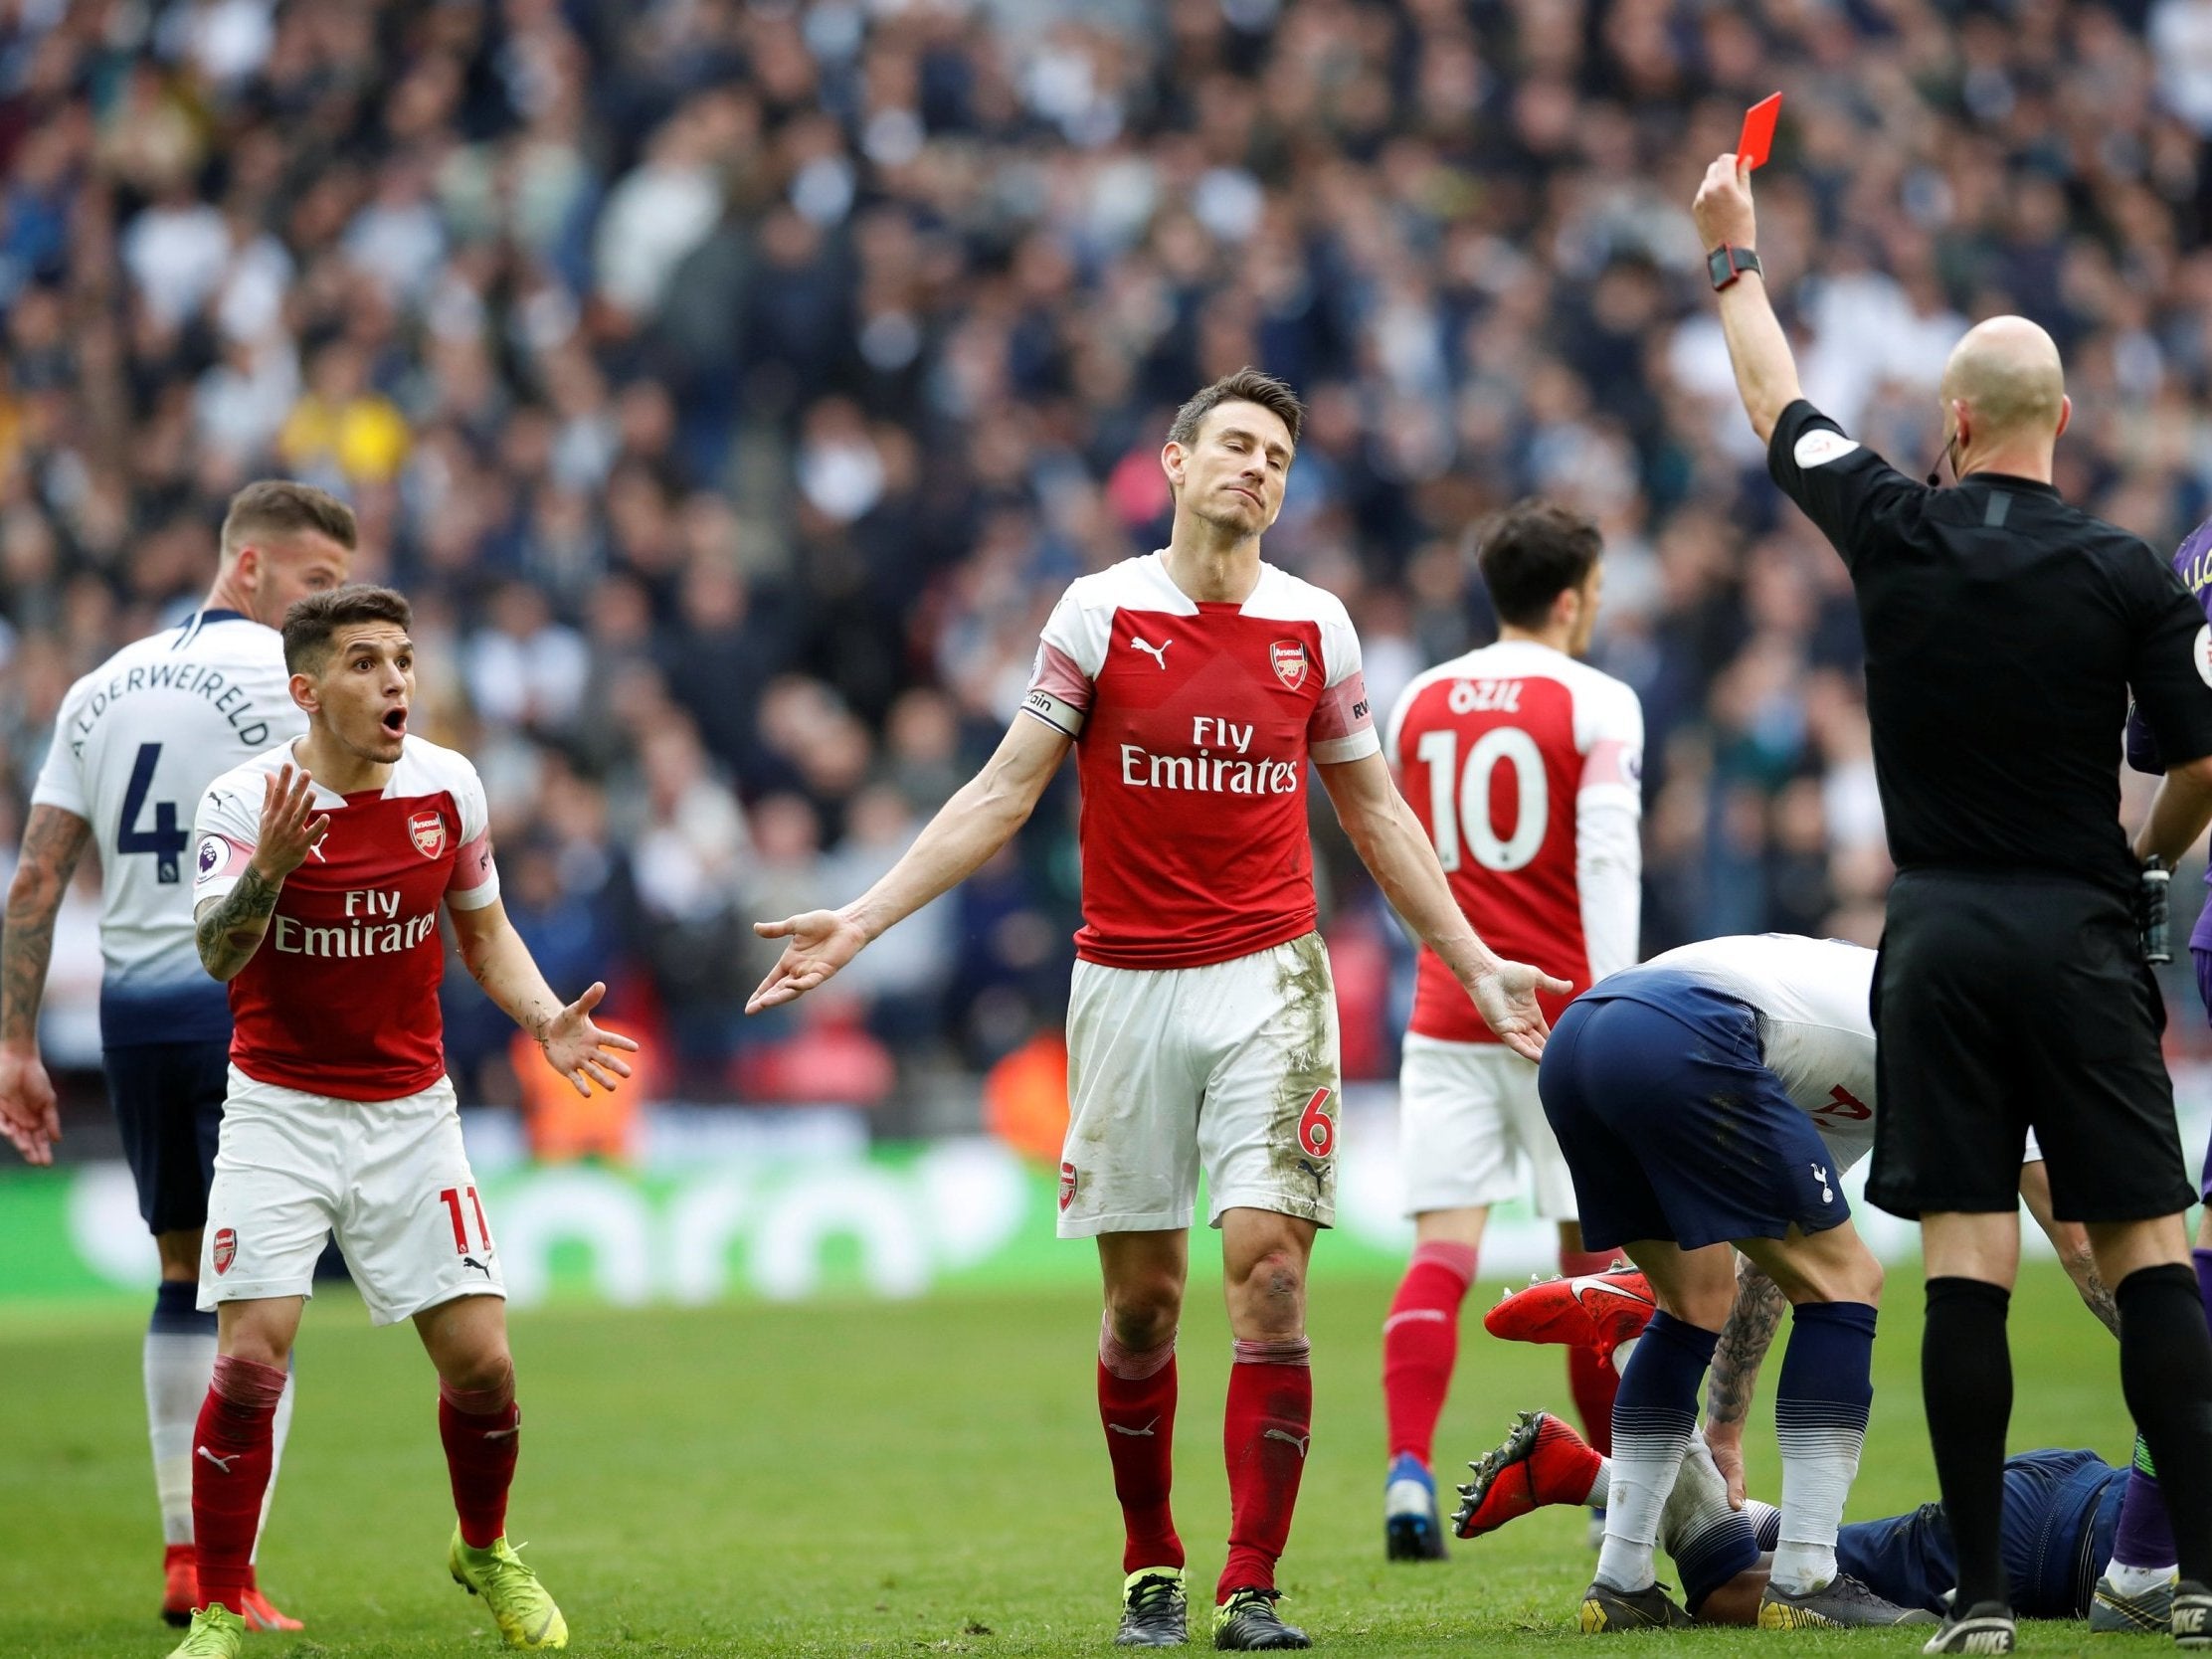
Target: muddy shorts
x,y
1228,1070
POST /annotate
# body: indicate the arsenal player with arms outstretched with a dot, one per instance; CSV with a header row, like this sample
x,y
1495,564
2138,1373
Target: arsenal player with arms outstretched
x,y
320,868
1194,686
1525,766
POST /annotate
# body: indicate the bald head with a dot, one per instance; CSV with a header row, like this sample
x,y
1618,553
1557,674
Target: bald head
x,y
2006,372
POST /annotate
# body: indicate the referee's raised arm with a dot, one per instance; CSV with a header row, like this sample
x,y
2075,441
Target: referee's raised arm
x,y
2004,630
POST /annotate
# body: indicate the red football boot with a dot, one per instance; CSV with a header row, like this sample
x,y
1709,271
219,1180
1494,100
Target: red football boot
x,y
258,1613
180,1584
1542,1461
1598,1311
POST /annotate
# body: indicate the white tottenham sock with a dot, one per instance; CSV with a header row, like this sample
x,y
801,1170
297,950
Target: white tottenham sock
x,y
1654,1415
177,1366
1767,1521
2138,1580
1699,1501
1604,1485
1820,1423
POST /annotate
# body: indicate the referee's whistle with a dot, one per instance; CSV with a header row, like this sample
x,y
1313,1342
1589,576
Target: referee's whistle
x,y
2150,905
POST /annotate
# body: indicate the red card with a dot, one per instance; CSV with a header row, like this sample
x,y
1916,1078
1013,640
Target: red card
x,y
1757,141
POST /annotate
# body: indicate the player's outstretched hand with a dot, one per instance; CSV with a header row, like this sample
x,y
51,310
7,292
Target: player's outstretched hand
x,y
29,1117
821,942
1504,996
1723,208
578,1051
290,829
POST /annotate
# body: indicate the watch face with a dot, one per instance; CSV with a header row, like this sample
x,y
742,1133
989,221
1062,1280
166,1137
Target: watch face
x,y
1718,267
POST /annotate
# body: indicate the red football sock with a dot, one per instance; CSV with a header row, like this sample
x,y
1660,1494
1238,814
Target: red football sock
x,y
1264,1436
233,1449
1594,1383
1137,1404
1591,1381
1420,1343
481,1428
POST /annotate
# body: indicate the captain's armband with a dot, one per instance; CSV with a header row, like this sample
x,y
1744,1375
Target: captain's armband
x,y
1062,716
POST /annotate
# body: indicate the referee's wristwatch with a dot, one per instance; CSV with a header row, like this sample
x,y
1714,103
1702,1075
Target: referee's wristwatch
x,y
1726,264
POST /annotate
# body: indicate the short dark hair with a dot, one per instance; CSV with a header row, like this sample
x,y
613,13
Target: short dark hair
x,y
312,621
1247,385
1530,554
277,507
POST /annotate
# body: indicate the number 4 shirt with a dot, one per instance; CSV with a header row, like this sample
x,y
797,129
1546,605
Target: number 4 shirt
x,y
135,745
1192,725
341,998
1526,769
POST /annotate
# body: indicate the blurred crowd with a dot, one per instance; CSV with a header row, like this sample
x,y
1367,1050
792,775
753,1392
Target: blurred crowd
x,y
735,386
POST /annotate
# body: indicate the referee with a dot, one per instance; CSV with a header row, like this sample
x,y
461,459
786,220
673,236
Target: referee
x,y
2004,630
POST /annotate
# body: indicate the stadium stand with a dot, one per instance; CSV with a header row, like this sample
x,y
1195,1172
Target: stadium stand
x,y
733,386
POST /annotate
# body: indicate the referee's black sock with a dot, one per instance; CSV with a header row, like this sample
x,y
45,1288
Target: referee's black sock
x,y
1966,1381
2166,1371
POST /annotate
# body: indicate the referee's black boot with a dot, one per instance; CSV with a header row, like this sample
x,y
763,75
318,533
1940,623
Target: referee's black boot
x,y
1985,1627
2192,1615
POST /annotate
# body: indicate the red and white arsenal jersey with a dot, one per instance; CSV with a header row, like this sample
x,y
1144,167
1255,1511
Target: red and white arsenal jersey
x,y
341,998
1192,725
1525,766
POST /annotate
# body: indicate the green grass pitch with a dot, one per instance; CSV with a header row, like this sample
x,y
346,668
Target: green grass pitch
x,y
888,1480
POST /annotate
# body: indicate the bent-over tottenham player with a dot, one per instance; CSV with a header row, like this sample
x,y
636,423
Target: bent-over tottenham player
x,y
321,869
1195,684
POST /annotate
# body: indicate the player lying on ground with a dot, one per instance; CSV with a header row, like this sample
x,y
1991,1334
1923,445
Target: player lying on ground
x,y
136,742
1195,686
321,868
1521,763
2061,1512
1715,1096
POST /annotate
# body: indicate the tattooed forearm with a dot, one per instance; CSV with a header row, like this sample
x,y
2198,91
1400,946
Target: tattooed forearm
x,y
53,843
230,928
2096,1294
1749,1332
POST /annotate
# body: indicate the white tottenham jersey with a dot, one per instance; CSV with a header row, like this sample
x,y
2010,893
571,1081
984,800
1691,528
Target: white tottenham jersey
x,y
1815,1029
135,745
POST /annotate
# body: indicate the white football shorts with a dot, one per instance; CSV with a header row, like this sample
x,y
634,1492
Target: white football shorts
x,y
390,1178
1229,1069
1465,1110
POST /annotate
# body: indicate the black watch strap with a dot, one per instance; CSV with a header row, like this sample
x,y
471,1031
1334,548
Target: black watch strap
x,y
1726,264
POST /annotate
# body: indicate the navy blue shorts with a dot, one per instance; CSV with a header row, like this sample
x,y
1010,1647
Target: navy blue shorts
x,y
2060,1510
1672,1124
169,1105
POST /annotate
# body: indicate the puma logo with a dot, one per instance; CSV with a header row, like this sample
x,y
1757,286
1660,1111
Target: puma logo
x,y
221,1463
1300,1441
1133,1434
1159,652
472,1261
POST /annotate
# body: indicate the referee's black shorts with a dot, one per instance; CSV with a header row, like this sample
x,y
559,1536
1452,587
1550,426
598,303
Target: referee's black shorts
x,y
2004,1000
